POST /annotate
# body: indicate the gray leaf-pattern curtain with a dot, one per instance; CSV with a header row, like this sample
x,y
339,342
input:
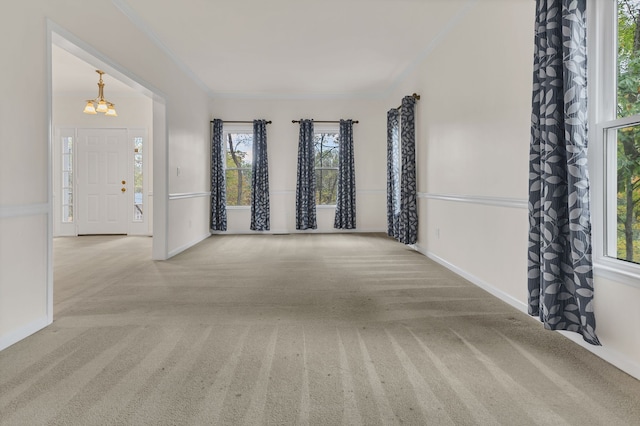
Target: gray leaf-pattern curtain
x,y
306,182
346,196
393,173
559,265
408,222
218,186
260,214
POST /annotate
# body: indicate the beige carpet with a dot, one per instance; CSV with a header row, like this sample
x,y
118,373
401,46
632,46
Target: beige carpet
x,y
293,329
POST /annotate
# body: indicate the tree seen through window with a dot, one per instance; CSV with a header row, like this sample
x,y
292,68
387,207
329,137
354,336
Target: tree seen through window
x,y
239,158
326,150
628,138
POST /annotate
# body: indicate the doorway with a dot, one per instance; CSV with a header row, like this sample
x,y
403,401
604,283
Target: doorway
x,y
155,198
57,36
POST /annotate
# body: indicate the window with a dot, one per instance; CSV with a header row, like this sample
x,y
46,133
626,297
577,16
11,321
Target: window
x,y
138,198
239,158
326,166
625,141
615,157
67,179
396,156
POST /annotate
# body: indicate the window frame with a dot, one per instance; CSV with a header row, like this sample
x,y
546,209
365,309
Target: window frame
x,y
602,51
242,129
326,128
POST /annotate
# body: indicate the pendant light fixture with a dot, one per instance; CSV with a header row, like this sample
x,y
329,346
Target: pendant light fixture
x,y
100,104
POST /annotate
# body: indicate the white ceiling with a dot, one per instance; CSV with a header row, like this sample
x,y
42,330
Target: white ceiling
x,y
71,75
297,48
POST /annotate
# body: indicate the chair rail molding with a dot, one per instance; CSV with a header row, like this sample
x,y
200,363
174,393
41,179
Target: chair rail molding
x,y
516,203
182,195
24,210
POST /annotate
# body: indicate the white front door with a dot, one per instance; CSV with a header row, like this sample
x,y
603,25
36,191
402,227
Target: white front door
x,y
102,181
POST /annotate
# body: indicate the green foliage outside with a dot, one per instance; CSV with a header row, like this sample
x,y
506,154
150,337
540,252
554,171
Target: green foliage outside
x,y
138,203
137,164
628,139
239,157
326,162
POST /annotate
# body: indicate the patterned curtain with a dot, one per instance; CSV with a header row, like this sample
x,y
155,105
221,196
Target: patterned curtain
x,y
306,184
408,222
393,173
559,264
260,178
346,196
218,186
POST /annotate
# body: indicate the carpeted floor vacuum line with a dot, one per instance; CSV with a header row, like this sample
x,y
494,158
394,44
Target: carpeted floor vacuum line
x,y
292,330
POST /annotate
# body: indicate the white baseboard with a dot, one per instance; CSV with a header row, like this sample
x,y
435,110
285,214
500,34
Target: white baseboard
x,y
23,332
611,356
187,246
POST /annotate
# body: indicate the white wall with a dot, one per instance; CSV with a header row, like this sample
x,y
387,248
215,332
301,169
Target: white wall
x,y
25,205
369,139
133,111
472,134
472,145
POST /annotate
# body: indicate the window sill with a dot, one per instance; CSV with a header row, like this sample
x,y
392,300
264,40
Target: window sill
x,y
238,207
325,206
618,271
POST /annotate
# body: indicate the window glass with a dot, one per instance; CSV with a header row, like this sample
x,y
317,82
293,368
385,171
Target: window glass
x,y
396,155
624,184
623,142
628,41
239,159
326,164
67,179
138,198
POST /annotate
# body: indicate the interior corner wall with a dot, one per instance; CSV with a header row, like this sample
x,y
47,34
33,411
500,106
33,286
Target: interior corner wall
x,y
25,205
369,139
472,137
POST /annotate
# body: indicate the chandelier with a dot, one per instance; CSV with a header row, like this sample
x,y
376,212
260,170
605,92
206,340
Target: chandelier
x,y
100,104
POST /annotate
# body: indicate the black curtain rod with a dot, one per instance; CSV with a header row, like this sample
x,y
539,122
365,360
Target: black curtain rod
x,y
240,121
415,96
325,121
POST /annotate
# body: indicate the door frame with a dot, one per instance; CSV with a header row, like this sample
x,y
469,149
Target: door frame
x,y
159,192
143,227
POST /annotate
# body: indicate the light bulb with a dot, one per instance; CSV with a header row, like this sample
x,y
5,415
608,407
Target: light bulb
x,y
111,112
102,106
89,108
